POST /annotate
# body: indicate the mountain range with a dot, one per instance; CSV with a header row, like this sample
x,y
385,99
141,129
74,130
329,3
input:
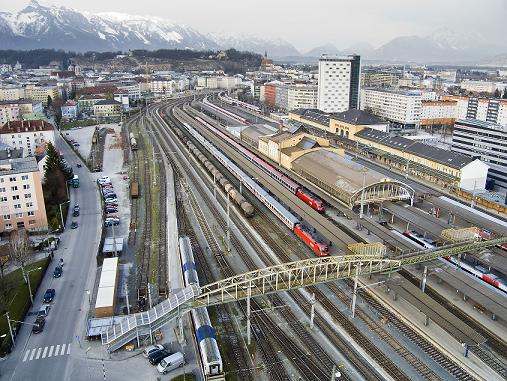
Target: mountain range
x,y
46,26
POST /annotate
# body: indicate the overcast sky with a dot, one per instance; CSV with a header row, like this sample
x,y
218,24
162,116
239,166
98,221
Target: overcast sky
x,y
307,24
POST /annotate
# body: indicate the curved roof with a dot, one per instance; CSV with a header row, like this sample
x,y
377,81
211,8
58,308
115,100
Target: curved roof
x,y
343,178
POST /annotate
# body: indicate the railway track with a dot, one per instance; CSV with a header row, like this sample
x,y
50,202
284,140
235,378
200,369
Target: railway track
x,y
234,347
420,367
275,369
494,343
312,367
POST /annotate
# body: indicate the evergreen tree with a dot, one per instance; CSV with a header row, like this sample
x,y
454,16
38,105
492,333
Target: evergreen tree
x,y
54,163
497,93
505,93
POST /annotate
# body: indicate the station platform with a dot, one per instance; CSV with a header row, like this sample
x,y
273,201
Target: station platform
x,y
416,219
473,218
493,258
482,294
433,332
434,311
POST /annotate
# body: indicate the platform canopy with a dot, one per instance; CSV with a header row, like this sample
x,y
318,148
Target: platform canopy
x,y
346,179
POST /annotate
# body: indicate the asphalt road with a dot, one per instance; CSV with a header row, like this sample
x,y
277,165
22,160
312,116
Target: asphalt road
x,y
49,354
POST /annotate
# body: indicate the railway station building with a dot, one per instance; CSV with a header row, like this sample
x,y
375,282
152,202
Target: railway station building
x,y
439,166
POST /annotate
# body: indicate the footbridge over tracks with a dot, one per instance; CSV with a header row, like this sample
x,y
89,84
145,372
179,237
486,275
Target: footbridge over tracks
x,y
272,279
282,277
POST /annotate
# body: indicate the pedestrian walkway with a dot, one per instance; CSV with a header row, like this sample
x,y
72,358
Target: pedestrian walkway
x,y
47,352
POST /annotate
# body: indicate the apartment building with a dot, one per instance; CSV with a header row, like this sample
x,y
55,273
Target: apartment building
x,y
11,93
133,90
438,113
485,141
70,110
379,79
161,86
86,102
108,108
302,96
41,93
401,108
339,82
21,198
479,86
27,134
9,111
485,109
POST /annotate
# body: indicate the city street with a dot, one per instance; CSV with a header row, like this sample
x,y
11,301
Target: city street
x,y
49,354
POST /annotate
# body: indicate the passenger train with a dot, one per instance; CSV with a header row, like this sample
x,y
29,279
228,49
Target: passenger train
x,y
297,189
211,360
476,270
305,233
225,112
235,102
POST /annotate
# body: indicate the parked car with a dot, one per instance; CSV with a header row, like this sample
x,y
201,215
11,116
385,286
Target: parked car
x,y
44,310
49,295
111,221
111,200
104,180
75,213
152,348
38,326
58,272
156,357
111,203
76,207
109,195
78,165
73,225
111,211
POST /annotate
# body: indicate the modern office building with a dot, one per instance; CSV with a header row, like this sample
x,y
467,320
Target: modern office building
x,y
485,141
339,82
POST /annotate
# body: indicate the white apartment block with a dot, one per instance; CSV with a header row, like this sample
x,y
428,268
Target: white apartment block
x,y
218,82
21,198
479,86
162,86
9,111
11,93
339,80
302,96
27,135
401,108
485,109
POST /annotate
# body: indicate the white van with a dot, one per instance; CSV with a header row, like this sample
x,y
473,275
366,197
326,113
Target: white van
x,y
171,362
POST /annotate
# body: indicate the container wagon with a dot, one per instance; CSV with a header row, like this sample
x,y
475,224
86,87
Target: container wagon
x,y
134,189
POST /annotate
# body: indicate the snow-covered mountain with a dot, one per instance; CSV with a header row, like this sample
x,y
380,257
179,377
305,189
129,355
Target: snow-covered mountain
x,y
47,26
42,26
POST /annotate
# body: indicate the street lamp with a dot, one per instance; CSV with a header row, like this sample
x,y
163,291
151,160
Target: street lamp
x,y
61,214
28,278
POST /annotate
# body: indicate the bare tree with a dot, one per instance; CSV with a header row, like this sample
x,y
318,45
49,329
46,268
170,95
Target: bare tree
x,y
20,249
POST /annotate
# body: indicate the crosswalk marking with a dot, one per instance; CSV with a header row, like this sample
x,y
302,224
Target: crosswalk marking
x,y
47,352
